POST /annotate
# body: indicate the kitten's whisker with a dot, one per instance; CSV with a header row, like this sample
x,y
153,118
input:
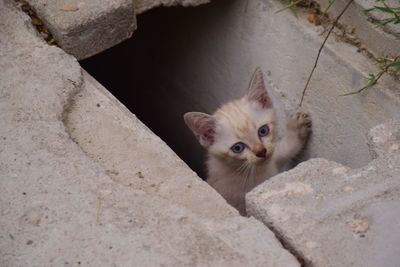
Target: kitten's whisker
x,y
252,172
241,169
248,174
244,173
254,175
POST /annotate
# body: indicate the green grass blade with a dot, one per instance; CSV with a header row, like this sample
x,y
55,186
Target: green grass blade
x,y
293,4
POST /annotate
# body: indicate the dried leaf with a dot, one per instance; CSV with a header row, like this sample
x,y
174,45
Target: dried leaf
x,y
69,8
51,41
312,18
36,21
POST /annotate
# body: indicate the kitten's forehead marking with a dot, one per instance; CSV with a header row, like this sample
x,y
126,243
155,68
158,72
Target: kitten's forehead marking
x,y
238,119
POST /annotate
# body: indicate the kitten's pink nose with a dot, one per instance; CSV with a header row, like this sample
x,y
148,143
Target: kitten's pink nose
x,y
262,153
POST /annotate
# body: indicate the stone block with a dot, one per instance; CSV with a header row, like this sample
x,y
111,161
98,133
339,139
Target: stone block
x,y
144,5
384,139
379,40
330,215
60,206
87,27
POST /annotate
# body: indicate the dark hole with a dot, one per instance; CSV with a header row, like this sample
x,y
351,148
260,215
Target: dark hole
x,y
137,73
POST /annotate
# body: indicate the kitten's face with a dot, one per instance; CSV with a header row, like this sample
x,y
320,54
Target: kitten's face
x,y
241,131
244,132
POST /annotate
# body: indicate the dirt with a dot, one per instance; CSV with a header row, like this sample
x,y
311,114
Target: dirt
x,y
36,22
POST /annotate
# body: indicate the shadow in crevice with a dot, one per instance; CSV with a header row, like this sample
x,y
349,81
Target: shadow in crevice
x,y
134,72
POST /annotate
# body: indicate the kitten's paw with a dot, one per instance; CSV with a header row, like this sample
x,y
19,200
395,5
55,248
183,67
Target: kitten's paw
x,y
301,123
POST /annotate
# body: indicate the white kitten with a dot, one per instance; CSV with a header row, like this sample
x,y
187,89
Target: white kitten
x,y
240,138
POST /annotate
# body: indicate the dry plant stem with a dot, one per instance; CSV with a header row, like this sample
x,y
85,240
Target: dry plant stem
x,y
320,49
328,7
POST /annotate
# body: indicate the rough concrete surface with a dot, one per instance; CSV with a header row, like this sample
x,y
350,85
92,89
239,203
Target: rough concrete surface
x,y
379,40
144,5
384,139
59,206
108,133
332,215
87,27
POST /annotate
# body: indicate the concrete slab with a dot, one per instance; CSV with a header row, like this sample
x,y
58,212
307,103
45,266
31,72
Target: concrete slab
x,y
132,155
384,139
390,28
144,5
59,206
87,27
331,215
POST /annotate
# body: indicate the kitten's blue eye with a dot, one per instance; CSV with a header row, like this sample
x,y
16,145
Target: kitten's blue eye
x,y
238,147
263,131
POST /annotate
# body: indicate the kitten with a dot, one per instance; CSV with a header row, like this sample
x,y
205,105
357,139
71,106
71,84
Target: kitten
x,y
240,138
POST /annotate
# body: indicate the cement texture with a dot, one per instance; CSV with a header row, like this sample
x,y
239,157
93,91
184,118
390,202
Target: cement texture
x,y
62,206
332,215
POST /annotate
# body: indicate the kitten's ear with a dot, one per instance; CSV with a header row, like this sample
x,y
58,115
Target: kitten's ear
x,y
203,127
257,91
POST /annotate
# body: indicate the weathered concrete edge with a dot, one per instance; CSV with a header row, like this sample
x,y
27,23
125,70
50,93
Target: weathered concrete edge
x,y
347,54
255,210
89,31
383,141
142,6
78,33
121,130
203,211
376,39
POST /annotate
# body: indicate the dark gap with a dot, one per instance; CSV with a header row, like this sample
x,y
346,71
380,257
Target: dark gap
x,y
133,72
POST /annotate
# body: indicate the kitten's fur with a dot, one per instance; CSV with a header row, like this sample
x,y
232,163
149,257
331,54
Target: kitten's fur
x,y
234,174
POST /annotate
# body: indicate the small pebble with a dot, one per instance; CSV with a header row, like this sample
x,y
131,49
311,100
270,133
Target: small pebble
x,y
311,244
359,226
339,171
348,189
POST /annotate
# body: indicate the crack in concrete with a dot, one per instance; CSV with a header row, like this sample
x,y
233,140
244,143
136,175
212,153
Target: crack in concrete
x,y
303,261
69,103
38,24
67,109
